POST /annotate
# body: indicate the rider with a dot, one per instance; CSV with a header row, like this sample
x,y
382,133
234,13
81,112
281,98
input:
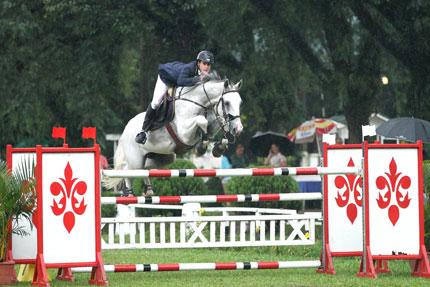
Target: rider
x,y
175,74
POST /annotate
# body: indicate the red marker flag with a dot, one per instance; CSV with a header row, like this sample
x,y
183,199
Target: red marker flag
x,y
89,133
59,133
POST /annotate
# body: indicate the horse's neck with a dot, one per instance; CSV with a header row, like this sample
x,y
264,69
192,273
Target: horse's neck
x,y
192,100
188,114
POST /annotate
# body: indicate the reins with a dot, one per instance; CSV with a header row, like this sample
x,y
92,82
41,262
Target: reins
x,y
223,120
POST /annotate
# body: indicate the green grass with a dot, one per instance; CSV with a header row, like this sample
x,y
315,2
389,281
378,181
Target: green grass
x,y
346,269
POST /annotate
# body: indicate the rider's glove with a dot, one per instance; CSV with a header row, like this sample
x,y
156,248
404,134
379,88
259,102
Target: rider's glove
x,y
205,78
196,80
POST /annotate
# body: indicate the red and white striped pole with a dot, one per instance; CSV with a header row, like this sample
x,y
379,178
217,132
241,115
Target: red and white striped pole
x,y
211,198
229,172
204,266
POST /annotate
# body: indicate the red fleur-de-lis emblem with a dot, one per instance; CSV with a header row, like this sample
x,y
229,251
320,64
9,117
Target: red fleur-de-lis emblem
x,y
65,191
349,184
391,184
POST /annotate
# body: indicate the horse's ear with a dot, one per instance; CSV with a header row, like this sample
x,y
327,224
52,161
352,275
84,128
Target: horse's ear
x,y
238,85
226,83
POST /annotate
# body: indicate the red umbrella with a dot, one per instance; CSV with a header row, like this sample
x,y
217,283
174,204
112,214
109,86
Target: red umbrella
x,y
306,132
313,129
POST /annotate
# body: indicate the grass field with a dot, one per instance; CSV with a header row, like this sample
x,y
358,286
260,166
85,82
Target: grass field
x,y
346,269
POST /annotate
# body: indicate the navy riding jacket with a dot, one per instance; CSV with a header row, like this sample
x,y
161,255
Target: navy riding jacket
x,y
178,74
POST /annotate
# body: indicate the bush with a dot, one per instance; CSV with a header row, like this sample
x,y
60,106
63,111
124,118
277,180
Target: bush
x,y
179,186
108,210
264,185
426,172
214,186
172,186
427,226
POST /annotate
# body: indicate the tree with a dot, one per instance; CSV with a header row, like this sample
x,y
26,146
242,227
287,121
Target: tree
x,y
336,50
403,29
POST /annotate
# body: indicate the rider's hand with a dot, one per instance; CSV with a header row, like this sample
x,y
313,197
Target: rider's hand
x,y
204,77
196,80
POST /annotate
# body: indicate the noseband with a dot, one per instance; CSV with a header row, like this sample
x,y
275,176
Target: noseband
x,y
225,119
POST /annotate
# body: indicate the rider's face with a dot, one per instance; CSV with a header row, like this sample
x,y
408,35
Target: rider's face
x,y
204,67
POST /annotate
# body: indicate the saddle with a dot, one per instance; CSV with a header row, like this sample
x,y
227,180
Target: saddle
x,y
166,111
164,115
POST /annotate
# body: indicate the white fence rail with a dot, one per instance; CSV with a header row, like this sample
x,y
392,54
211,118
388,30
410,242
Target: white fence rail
x,y
209,231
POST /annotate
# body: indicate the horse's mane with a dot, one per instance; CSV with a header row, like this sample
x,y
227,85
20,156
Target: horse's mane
x,y
213,77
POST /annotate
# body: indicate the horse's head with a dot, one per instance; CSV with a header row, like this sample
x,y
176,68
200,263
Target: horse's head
x,y
226,101
230,107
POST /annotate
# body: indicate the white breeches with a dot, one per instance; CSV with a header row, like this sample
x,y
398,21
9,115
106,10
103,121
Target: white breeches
x,y
159,91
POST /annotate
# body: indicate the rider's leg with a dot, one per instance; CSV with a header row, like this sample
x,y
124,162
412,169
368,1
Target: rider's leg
x,y
149,116
159,91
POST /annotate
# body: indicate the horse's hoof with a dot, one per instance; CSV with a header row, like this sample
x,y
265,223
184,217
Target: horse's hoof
x,y
149,192
127,192
216,153
218,150
201,149
230,137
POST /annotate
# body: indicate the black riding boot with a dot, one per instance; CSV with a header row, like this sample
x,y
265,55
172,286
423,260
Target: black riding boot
x,y
147,123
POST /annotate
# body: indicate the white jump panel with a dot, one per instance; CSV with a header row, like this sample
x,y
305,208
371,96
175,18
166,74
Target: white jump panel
x,y
393,196
344,202
68,193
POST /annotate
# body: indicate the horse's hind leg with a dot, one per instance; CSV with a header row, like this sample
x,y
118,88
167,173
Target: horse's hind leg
x,y
148,187
148,163
128,189
156,161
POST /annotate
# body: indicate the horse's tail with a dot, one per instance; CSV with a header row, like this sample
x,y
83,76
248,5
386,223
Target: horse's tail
x,y
119,160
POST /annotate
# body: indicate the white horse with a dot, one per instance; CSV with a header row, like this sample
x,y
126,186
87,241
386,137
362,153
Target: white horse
x,y
203,109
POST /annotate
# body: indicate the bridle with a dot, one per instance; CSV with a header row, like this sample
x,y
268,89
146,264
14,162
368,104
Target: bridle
x,y
223,120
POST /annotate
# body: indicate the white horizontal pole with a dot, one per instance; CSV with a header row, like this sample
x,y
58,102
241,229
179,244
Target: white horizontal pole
x,y
138,173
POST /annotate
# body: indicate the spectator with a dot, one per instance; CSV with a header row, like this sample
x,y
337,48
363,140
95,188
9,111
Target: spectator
x,y
103,162
239,159
275,158
225,163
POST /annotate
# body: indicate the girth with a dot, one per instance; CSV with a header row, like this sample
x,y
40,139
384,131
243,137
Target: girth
x,y
180,147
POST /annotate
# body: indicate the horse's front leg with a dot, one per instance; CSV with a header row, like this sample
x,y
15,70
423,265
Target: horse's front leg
x,y
202,123
202,145
220,148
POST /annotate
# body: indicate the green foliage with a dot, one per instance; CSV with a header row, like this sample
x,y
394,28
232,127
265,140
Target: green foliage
x,y
264,185
17,199
109,210
214,186
426,172
427,224
173,186
179,186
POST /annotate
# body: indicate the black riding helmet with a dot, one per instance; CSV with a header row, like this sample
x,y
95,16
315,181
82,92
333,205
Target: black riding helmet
x,y
206,57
